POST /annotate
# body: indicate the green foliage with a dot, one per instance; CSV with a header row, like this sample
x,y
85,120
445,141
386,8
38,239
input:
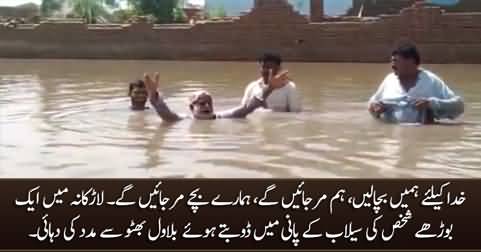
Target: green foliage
x,y
122,16
179,15
163,10
90,10
216,12
48,7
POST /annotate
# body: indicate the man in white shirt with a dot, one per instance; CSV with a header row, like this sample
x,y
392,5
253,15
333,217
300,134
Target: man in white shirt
x,y
285,99
413,95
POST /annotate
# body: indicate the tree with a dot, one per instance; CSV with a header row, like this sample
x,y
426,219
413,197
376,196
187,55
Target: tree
x,y
216,12
162,10
179,15
122,15
48,7
92,10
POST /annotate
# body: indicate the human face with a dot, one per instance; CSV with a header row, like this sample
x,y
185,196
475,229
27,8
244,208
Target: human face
x,y
202,106
266,68
138,96
403,67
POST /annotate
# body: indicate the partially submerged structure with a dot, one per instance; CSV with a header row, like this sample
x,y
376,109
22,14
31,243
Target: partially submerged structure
x,y
271,25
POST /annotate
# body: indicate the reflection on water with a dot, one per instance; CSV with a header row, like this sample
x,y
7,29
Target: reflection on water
x,y
72,119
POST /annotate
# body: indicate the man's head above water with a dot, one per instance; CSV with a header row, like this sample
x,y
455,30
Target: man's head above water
x,y
405,60
269,63
138,95
201,103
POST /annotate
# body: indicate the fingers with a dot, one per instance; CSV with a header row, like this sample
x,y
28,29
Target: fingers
x,y
283,76
147,79
377,108
149,84
157,78
284,73
422,104
372,107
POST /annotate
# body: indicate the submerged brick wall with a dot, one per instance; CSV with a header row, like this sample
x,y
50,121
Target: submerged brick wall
x,y
442,37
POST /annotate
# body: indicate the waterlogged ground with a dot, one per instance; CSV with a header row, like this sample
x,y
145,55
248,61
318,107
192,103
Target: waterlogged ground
x,y
62,118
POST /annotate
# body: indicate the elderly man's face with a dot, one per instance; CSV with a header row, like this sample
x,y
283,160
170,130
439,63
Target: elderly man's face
x,y
202,106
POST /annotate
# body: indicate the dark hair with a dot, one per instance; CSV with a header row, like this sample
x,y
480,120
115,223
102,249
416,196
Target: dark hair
x,y
408,51
137,83
270,57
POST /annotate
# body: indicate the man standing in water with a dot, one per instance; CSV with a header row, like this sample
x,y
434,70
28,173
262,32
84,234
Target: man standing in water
x,y
202,104
413,95
285,99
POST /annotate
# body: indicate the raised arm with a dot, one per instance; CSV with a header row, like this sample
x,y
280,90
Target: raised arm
x,y
257,100
252,104
294,99
157,101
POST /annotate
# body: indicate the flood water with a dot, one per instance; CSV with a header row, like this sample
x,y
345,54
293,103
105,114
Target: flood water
x,y
71,118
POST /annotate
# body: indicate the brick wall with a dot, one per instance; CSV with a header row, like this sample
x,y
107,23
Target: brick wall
x,y
317,10
21,11
443,38
377,7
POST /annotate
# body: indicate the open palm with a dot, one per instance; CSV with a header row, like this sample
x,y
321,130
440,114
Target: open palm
x,y
279,80
152,84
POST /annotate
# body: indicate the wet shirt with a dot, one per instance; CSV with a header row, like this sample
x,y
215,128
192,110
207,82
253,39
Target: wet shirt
x,y
400,104
285,99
